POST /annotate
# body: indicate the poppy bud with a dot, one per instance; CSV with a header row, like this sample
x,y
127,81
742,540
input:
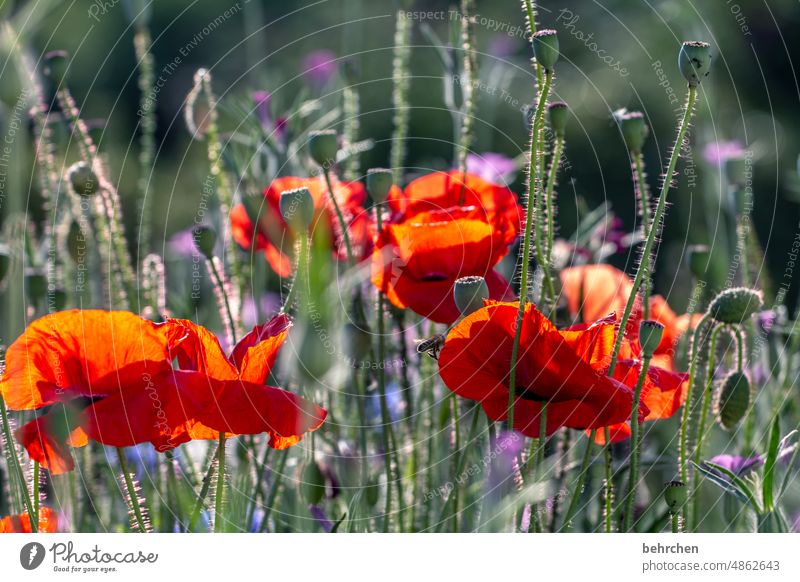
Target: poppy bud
x,y
76,242
736,305
559,115
83,179
312,483
372,492
736,170
675,495
297,208
733,400
469,293
205,239
694,61
634,130
36,284
698,257
379,184
650,333
56,65
545,48
323,146
5,263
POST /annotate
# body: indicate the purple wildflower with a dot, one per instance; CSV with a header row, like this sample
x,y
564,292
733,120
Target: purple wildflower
x,y
318,67
718,152
492,167
321,518
738,464
261,101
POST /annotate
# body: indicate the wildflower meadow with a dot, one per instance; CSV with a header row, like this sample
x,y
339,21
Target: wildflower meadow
x,y
404,266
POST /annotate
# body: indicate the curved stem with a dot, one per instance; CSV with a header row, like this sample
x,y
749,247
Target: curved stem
x,y
635,444
644,267
526,245
134,498
299,268
340,217
228,312
555,162
576,492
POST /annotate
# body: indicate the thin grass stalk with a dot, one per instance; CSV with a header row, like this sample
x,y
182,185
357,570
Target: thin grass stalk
x,y
401,80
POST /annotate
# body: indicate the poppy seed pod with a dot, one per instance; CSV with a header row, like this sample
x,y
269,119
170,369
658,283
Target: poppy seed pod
x,y
694,61
469,293
650,333
559,115
83,179
56,66
545,48
733,400
297,208
312,483
675,495
205,239
323,146
379,184
76,242
634,130
698,258
734,306
5,263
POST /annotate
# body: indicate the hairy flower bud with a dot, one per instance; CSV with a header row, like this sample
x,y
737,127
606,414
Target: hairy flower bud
x,y
559,115
56,67
694,61
323,146
675,495
545,48
734,306
698,259
83,179
650,333
469,293
205,239
297,208
634,130
733,400
379,184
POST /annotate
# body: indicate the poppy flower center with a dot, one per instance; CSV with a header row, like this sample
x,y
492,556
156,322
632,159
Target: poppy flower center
x,y
434,277
528,394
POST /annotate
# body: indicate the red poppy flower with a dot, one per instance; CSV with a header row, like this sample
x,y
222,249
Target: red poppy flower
x,y
48,522
212,393
274,237
75,353
417,262
552,367
442,190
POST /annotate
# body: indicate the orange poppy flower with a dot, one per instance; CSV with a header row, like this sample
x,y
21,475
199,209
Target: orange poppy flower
x,y
552,367
211,393
274,237
442,190
416,262
48,522
595,291
108,376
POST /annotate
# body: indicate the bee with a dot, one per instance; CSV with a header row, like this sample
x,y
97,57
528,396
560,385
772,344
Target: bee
x,y
431,346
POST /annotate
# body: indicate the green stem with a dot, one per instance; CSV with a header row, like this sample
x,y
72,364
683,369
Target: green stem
x,y
228,312
273,492
204,489
635,444
643,195
16,466
675,520
299,269
701,431
219,497
134,498
36,500
555,162
576,492
459,466
340,217
608,486
644,267
526,245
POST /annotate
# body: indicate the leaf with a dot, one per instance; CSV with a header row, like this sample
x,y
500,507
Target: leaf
x,y
338,522
721,482
743,487
769,466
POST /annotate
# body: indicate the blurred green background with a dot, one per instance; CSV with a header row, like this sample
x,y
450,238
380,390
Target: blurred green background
x,y
752,97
